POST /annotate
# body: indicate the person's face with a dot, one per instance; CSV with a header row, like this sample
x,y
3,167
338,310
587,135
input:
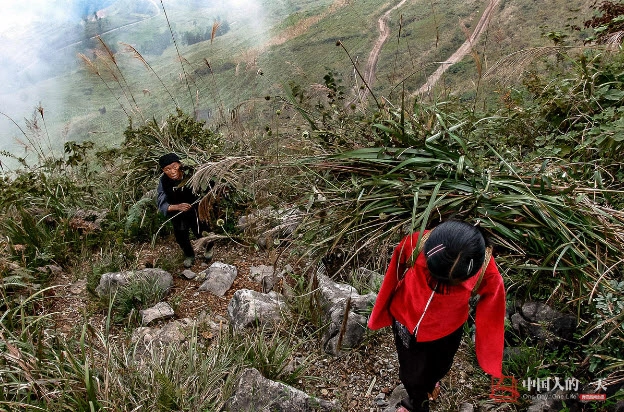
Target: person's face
x,y
173,171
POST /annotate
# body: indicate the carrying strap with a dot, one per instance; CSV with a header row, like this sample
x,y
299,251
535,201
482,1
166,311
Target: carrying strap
x,y
412,260
486,262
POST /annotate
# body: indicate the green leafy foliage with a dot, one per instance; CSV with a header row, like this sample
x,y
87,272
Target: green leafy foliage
x,y
605,351
272,354
180,133
608,24
139,293
143,219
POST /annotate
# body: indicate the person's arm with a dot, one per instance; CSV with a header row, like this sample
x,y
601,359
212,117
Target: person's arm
x,y
164,206
490,322
161,199
380,316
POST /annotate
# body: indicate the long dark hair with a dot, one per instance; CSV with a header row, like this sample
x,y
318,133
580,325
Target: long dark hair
x,y
455,251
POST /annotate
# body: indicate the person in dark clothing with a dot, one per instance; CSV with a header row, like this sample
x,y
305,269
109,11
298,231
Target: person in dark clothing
x,y
176,200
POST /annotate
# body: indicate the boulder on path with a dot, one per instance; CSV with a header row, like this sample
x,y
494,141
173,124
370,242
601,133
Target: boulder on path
x,y
161,310
219,278
248,308
345,330
539,321
256,393
109,282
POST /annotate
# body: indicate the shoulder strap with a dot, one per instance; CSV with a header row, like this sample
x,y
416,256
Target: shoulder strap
x,y
412,260
486,262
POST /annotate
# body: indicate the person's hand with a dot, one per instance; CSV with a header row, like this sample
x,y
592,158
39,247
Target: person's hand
x,y
180,207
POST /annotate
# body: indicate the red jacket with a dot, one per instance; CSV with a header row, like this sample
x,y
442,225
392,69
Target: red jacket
x,y
406,299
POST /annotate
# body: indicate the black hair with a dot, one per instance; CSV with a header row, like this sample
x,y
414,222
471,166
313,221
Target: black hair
x,y
455,251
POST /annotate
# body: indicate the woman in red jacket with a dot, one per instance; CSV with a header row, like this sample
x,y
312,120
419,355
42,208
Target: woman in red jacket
x,y
425,298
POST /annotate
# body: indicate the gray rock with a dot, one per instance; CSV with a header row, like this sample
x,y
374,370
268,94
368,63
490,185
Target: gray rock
x,y
258,394
219,278
265,275
542,405
334,297
161,310
172,333
353,334
466,407
333,293
539,321
539,312
248,308
258,273
109,282
286,270
189,274
395,397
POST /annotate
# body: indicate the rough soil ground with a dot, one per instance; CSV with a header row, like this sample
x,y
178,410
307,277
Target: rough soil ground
x,y
360,380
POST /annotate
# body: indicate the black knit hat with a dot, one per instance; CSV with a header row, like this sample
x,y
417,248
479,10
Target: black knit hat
x,y
166,160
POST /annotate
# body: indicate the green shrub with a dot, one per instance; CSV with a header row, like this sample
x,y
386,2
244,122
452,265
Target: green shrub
x,y
271,353
139,293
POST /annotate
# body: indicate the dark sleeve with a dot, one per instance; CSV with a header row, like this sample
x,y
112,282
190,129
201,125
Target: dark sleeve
x,y
161,199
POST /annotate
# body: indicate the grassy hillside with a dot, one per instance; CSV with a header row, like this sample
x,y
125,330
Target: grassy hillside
x,y
268,44
540,170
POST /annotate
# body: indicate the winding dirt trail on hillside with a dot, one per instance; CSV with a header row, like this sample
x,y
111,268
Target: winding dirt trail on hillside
x,y
384,33
461,52
373,57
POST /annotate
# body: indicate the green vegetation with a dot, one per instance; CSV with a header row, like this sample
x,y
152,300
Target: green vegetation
x,y
538,164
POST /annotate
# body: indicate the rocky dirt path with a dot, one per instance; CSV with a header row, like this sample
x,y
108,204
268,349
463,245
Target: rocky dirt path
x,y
360,380
461,52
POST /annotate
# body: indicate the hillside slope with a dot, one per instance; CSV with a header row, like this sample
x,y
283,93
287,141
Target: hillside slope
x,y
267,45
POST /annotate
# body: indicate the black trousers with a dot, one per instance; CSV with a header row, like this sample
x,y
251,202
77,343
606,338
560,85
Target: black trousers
x,y
185,223
423,364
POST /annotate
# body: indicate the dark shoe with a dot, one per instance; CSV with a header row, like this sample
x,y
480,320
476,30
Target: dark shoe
x,y
209,252
188,262
411,407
